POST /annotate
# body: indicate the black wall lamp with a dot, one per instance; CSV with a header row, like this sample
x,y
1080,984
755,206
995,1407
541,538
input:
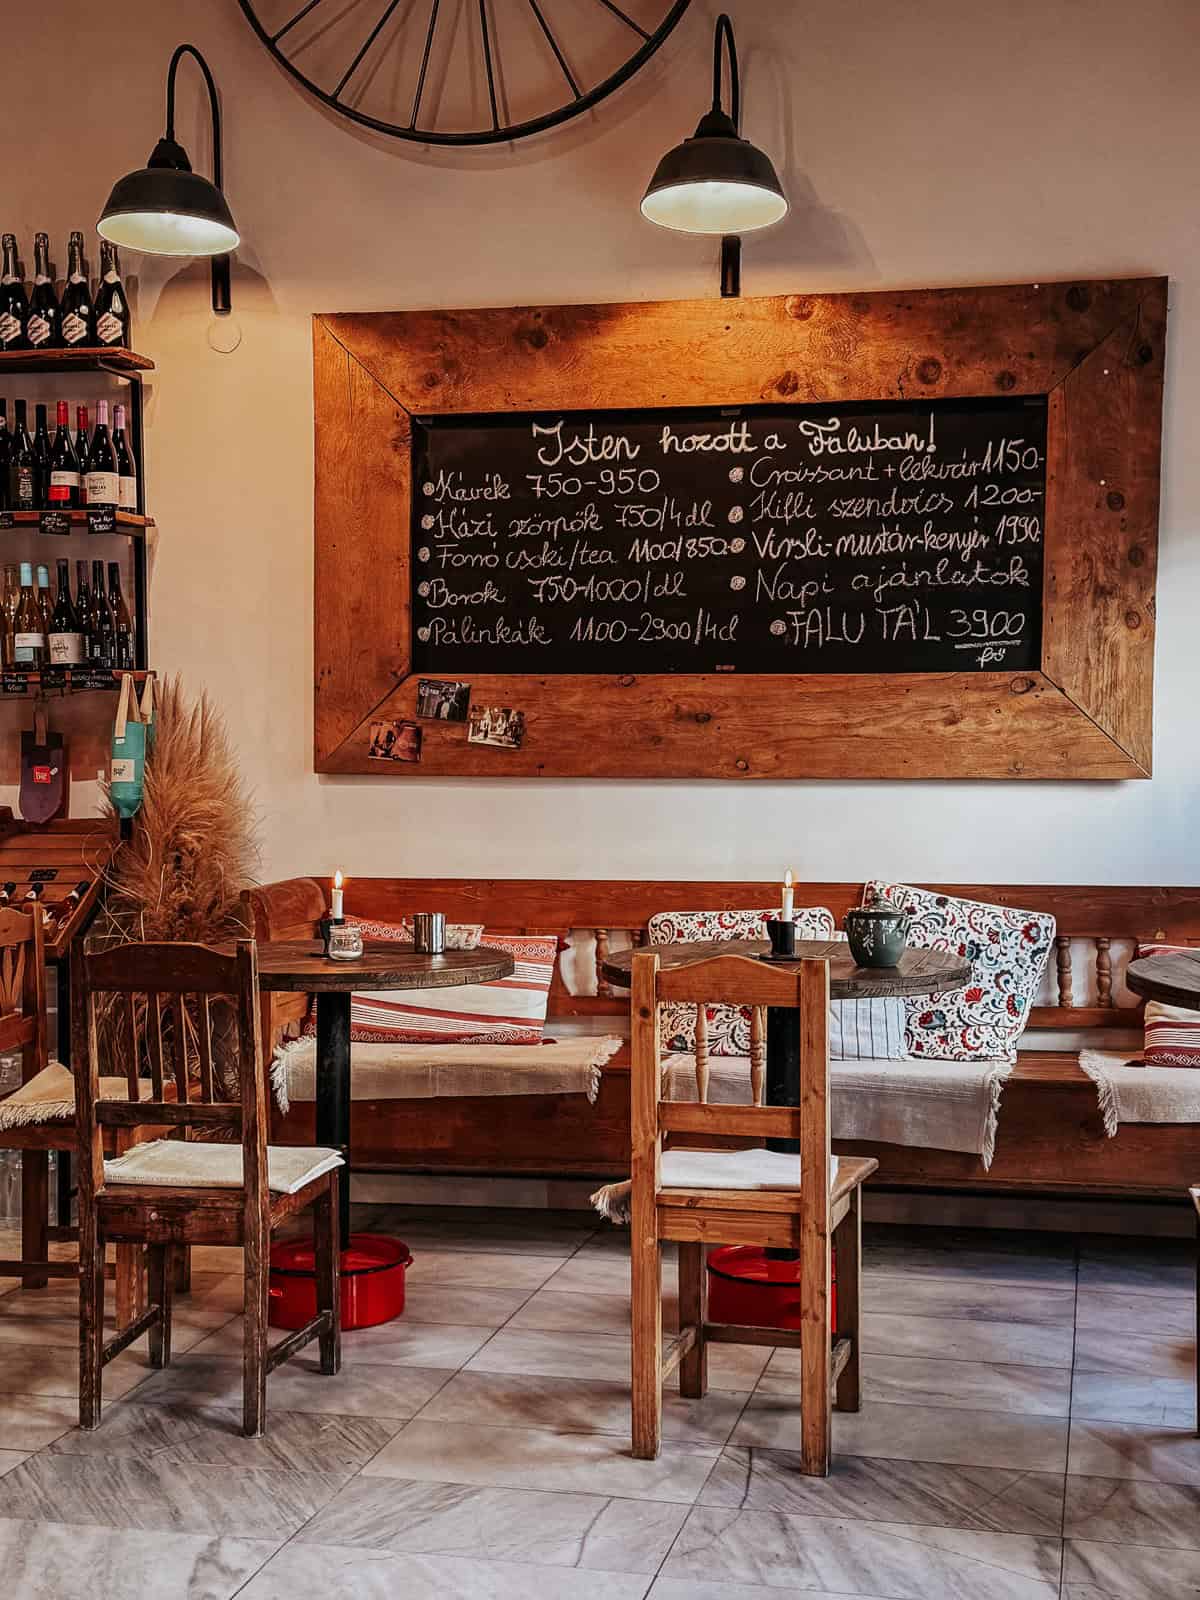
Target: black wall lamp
x,y
717,182
166,209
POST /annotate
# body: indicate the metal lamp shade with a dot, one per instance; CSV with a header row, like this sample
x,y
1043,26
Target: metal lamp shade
x,y
163,211
715,182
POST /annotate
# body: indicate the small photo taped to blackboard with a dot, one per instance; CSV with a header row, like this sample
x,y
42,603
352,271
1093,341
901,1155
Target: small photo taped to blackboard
x,y
395,741
496,725
443,702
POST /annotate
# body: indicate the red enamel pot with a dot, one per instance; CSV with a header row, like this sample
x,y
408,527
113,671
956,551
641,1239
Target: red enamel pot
x,y
373,1267
751,1289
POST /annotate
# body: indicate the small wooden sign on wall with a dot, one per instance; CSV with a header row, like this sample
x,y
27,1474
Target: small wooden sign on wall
x,y
869,535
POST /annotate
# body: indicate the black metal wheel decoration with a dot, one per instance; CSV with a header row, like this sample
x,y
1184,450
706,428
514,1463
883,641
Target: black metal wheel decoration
x,y
462,72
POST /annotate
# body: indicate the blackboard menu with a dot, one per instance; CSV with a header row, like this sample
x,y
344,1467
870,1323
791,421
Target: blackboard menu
x,y
882,537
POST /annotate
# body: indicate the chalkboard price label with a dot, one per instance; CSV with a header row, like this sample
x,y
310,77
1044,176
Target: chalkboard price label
x,y
879,537
101,520
54,522
6,520
91,678
14,683
55,678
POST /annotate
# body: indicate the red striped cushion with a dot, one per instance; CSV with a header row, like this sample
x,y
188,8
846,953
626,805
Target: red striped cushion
x,y
1172,1032
508,1011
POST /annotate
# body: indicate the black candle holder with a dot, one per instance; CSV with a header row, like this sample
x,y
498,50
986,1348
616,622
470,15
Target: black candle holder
x,y
783,939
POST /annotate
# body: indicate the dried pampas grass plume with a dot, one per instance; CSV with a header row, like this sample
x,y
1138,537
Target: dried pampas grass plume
x,y
192,850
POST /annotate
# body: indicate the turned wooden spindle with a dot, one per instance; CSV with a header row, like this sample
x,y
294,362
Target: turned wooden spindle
x,y
602,984
702,1054
1066,993
758,1053
1103,972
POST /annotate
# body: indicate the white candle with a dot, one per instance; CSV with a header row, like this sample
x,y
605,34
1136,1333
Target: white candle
x,y
785,910
335,907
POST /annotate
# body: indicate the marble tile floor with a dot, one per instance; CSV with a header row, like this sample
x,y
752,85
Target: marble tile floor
x,y
1028,1433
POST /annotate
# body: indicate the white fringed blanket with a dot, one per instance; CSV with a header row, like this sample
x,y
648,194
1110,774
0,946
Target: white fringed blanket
x,y
935,1105
447,1071
49,1096
1130,1091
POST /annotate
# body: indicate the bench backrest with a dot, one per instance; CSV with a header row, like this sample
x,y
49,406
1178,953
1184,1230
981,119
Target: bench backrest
x,y
1097,928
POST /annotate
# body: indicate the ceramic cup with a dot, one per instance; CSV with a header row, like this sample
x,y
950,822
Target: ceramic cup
x,y
877,935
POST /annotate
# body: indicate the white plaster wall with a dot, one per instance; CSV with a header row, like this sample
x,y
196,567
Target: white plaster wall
x,y
947,142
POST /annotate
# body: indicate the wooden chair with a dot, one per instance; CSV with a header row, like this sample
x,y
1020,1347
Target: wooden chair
x,y
23,1028
177,1192
805,1216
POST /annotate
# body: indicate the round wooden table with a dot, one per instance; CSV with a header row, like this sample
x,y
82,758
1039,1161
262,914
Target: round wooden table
x,y
917,972
1173,979
301,967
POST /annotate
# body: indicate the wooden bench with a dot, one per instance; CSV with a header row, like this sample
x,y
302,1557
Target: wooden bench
x,y
1051,1138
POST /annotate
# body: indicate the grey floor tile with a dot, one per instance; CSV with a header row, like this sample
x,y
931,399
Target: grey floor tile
x,y
988,1499
1128,1572
926,1380
12,1458
604,1273
1115,1397
29,1421
959,1339
1121,1314
895,1560
1133,1511
174,1497
498,1238
1138,1266
479,1268
1128,1450
464,1306
604,1356
295,1441
978,1255
350,1573
399,1343
577,1405
553,1311
532,1458
1136,1355
966,1299
36,1369
57,1561
915,1433
363,1390
546,1529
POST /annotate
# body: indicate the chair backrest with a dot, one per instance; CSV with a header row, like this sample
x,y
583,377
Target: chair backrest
x,y
732,980
155,1005
23,988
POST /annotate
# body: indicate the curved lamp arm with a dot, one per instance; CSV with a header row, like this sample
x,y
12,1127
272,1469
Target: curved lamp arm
x,y
731,243
221,291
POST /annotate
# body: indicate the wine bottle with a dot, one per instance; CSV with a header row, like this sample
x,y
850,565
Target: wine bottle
x,y
64,466
66,906
127,495
103,629
110,312
44,326
29,634
12,592
35,893
65,639
41,459
7,890
83,608
77,296
22,482
82,448
14,308
123,645
45,604
102,483
5,447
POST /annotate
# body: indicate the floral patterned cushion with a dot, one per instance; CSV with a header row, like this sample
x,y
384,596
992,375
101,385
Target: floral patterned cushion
x,y
728,1026
1007,950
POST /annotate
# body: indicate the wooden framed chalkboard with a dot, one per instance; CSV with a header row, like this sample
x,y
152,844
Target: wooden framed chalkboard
x,y
875,535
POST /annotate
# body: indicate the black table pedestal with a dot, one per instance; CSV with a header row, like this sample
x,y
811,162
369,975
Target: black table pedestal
x,y
333,1089
782,1086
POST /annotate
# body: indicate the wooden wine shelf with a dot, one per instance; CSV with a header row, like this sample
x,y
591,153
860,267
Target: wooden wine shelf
x,y
127,520
94,358
69,852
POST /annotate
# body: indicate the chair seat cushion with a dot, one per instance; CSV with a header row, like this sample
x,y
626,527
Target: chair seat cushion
x,y
733,1169
176,1164
49,1096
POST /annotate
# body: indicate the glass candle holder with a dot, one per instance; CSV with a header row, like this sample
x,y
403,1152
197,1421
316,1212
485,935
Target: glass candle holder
x,y
344,942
